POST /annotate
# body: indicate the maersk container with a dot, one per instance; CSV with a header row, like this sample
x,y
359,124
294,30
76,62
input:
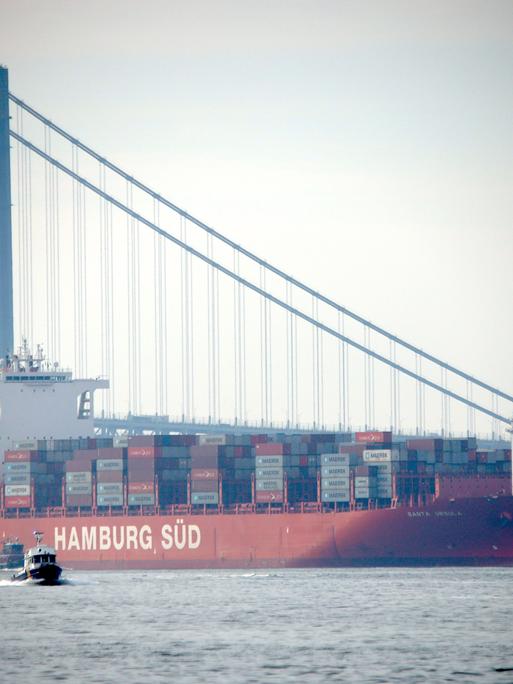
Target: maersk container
x,y
82,488
109,488
141,487
269,485
109,464
334,471
384,492
20,467
334,495
205,498
84,476
109,500
335,483
141,499
268,473
17,479
269,461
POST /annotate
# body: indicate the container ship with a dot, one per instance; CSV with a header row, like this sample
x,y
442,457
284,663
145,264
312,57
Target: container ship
x,y
239,500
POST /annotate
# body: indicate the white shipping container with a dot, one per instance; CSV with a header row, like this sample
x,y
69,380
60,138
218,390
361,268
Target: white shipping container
x,y
17,490
335,483
83,476
382,455
337,459
109,500
269,461
109,464
335,495
219,440
26,445
335,471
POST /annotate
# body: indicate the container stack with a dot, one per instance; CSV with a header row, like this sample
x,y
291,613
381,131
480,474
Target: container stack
x,y
79,479
387,463
20,468
365,482
110,466
141,474
269,461
205,474
335,477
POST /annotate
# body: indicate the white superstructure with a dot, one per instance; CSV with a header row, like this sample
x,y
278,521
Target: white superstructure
x,y
39,400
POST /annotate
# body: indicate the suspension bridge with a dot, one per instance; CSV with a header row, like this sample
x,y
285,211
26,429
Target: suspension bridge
x,y
118,281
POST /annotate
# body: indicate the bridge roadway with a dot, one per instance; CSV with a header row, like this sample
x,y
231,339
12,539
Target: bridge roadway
x,y
134,425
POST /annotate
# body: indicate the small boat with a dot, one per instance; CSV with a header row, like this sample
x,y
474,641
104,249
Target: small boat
x,y
11,556
39,564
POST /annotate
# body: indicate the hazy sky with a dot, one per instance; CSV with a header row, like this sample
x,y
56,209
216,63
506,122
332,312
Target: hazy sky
x,y
365,147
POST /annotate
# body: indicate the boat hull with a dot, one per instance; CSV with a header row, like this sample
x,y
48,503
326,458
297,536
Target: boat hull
x,y
471,531
46,574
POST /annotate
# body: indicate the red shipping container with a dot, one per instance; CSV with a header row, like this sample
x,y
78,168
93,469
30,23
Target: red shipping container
x,y
272,449
142,441
78,466
204,485
109,476
275,496
17,501
23,456
110,452
85,454
373,437
79,500
143,452
472,456
141,487
204,456
139,466
425,444
204,474
238,451
258,439
303,460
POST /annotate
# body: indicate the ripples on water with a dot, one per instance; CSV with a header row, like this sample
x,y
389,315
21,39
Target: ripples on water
x,y
361,625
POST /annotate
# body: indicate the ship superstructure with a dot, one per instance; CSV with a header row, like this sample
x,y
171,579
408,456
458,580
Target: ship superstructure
x,y
39,400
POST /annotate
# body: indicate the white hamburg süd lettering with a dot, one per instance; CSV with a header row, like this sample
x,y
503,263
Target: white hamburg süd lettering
x,y
60,539
131,537
105,542
118,543
89,538
190,536
180,543
73,542
145,539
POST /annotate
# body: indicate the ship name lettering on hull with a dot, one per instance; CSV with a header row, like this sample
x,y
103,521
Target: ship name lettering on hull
x,y
125,537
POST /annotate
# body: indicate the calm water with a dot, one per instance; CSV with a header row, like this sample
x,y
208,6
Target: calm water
x,y
411,625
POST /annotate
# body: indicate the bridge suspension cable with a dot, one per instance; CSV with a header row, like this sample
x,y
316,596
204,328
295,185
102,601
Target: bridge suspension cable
x,y
269,267
252,286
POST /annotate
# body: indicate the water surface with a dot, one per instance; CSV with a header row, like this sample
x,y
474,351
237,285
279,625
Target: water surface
x,y
352,625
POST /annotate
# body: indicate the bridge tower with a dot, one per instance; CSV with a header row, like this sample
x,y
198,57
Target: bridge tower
x,y
6,289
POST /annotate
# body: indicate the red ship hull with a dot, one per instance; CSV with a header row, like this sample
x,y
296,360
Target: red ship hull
x,y
468,531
